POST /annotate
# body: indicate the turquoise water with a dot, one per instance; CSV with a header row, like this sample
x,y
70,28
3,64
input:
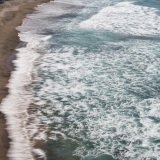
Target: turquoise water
x,y
97,82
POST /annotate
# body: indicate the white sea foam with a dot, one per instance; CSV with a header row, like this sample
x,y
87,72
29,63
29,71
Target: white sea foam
x,y
103,96
95,97
125,18
15,105
41,154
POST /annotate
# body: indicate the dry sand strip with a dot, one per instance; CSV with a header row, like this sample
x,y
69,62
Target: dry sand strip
x,y
11,15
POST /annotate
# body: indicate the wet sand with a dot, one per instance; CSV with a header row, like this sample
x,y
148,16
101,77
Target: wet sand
x,y
11,15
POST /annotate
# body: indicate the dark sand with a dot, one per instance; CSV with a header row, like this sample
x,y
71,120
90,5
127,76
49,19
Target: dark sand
x,y
11,15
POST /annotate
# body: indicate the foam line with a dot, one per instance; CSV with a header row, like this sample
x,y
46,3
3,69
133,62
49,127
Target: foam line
x,y
15,105
125,18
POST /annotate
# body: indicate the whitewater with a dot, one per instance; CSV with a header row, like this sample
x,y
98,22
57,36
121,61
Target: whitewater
x,y
86,84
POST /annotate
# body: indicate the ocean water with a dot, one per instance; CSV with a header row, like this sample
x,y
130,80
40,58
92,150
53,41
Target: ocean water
x,y
87,82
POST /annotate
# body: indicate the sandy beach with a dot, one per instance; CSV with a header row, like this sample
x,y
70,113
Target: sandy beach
x,y
11,15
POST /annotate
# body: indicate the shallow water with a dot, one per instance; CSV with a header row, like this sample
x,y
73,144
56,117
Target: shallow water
x,y
96,83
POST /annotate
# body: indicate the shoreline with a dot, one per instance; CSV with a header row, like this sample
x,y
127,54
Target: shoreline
x,y
11,15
